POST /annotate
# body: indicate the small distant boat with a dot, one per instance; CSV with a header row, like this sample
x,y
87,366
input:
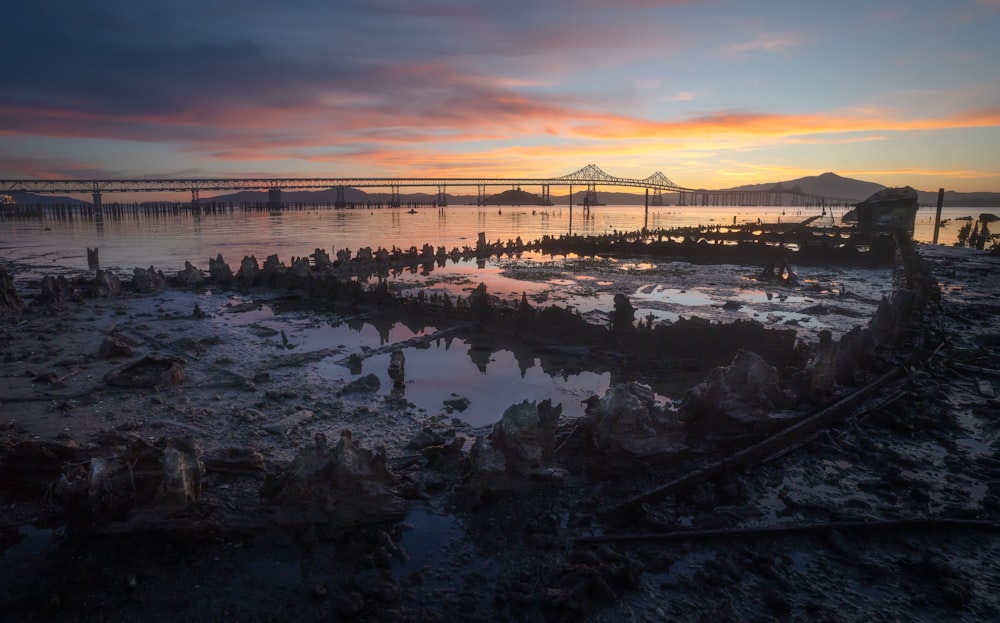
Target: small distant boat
x,y
889,208
411,211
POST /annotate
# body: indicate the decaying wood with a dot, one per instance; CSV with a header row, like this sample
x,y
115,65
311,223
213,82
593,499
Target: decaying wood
x,y
887,525
964,367
782,439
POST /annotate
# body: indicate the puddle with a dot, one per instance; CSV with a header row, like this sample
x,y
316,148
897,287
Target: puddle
x,y
259,583
491,380
429,543
34,541
694,297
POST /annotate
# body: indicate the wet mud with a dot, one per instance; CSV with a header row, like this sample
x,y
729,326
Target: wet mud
x,y
637,438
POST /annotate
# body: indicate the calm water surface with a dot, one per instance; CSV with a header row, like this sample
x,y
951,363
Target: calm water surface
x,y
168,241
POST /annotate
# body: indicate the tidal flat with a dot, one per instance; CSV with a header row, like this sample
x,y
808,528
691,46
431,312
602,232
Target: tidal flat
x,y
423,447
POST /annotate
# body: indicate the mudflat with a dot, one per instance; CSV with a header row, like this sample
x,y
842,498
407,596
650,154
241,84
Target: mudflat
x,y
226,451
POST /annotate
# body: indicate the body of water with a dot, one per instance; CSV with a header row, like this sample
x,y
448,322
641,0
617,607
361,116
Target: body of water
x,y
168,241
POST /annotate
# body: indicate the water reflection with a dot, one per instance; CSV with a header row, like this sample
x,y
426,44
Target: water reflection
x,y
168,240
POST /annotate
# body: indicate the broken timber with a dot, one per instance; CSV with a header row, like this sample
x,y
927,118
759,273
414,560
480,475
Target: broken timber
x,y
751,532
821,419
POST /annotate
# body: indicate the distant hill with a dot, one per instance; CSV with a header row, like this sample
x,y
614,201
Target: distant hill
x,y
29,199
515,197
960,200
825,185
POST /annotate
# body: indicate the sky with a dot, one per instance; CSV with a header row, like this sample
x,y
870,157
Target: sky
x,y
712,93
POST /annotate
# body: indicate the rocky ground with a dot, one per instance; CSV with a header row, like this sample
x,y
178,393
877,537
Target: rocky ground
x,y
181,454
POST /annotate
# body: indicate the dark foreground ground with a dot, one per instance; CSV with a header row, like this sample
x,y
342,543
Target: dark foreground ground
x,y
889,512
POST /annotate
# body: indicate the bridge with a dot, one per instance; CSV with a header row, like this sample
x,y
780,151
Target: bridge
x,y
589,177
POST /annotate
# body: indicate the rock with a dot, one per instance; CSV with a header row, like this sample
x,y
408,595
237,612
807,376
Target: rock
x,y
183,470
105,284
272,267
345,481
290,423
148,372
624,315
628,419
249,269
479,301
321,259
219,271
822,368
114,346
525,435
884,323
55,291
460,403
365,385
9,300
93,258
734,400
397,373
191,275
985,388
149,280
852,355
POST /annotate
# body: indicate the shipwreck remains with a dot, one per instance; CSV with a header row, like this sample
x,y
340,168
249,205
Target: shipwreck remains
x,y
889,208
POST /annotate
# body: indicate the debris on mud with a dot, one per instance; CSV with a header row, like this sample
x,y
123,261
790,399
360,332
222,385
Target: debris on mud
x,y
834,475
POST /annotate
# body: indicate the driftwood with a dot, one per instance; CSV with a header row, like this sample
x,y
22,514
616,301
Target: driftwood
x,y
782,439
964,367
752,532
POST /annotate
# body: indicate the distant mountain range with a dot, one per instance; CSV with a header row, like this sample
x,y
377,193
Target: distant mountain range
x,y
825,185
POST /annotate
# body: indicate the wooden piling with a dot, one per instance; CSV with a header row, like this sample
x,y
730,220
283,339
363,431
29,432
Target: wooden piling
x,y
937,218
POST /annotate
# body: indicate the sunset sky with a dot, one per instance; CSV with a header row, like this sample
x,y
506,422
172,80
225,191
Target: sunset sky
x,y
712,93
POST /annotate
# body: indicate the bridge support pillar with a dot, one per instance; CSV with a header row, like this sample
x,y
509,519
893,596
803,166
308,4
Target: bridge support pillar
x,y
442,199
98,205
657,199
195,200
682,198
273,198
546,195
340,201
394,201
590,199
480,194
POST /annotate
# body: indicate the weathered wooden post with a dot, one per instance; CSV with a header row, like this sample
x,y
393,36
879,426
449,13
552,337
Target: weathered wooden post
x,y
937,218
570,209
645,222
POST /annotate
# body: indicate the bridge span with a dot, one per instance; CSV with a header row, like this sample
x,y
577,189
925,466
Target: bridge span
x,y
589,177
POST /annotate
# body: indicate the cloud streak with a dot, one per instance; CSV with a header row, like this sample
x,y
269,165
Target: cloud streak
x,y
387,85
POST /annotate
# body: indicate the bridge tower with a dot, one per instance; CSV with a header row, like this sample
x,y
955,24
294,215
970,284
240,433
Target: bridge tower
x,y
657,199
590,198
273,198
442,199
341,200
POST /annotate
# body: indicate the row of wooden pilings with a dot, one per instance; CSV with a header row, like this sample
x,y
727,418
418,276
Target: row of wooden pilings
x,y
754,198
120,210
